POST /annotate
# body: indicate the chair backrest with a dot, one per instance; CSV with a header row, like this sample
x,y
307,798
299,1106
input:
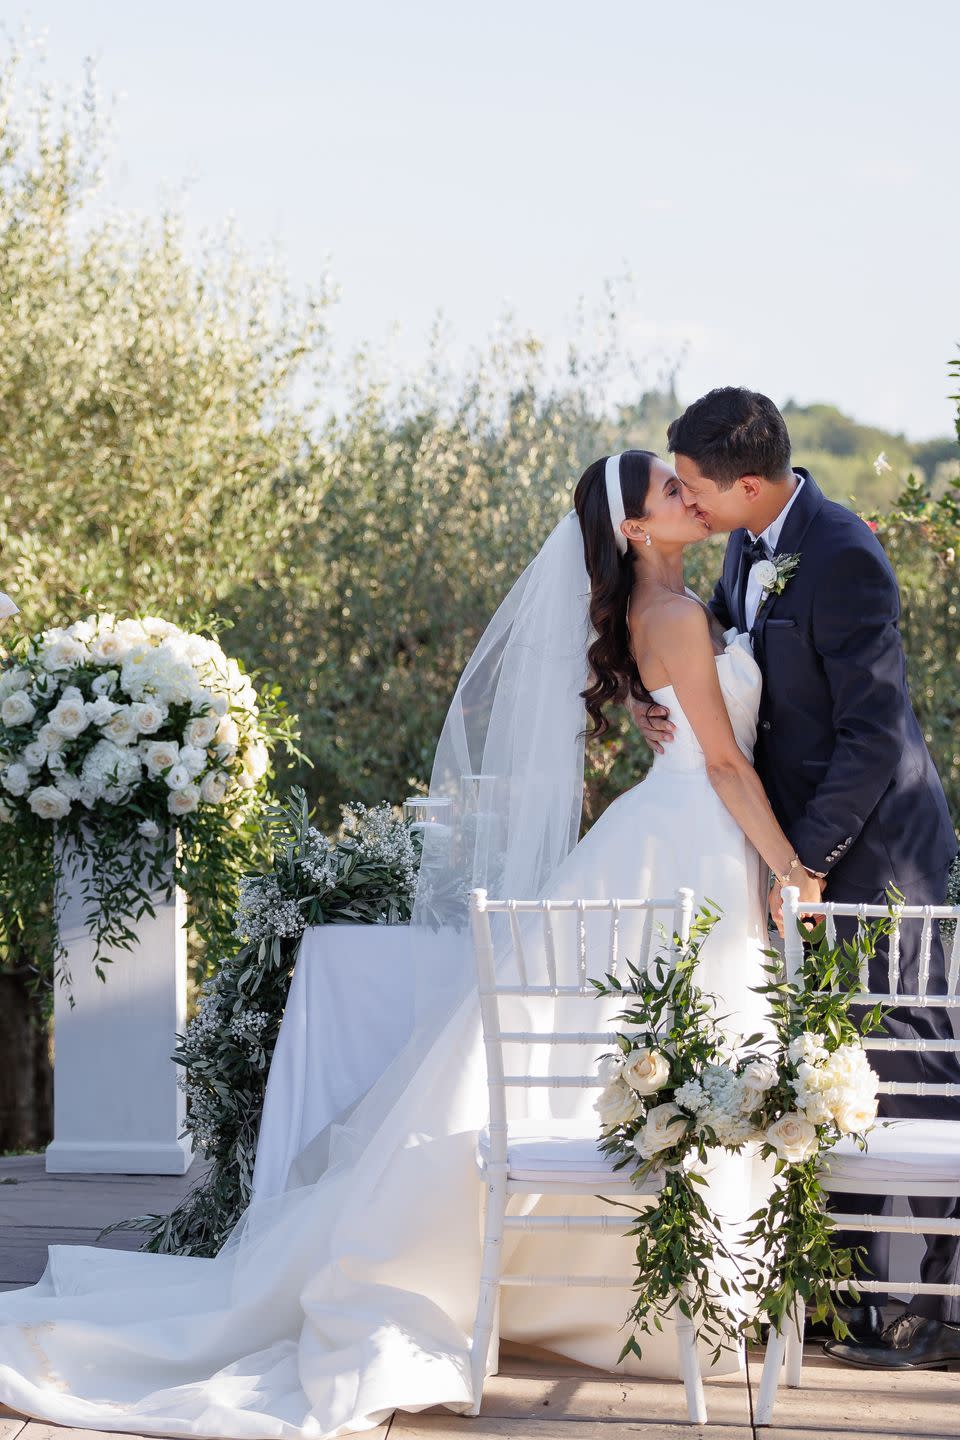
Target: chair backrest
x,y
540,975
919,995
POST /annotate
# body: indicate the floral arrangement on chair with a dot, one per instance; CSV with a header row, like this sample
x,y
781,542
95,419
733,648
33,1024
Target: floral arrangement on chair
x,y
675,1089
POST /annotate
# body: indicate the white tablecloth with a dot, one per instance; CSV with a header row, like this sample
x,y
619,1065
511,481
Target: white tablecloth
x,y
348,1011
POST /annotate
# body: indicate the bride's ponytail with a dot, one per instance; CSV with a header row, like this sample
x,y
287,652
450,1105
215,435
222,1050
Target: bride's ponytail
x,y
614,670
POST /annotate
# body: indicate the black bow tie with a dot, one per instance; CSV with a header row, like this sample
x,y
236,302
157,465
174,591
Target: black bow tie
x,y
755,551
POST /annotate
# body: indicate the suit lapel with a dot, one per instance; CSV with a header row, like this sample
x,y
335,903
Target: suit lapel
x,y
806,506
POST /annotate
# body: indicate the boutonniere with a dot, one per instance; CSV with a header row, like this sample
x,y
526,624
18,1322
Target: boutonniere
x,y
774,575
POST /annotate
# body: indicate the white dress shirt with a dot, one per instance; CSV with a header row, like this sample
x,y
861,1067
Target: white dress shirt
x,y
772,537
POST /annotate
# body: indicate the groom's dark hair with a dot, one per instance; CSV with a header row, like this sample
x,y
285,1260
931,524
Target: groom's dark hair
x,y
732,432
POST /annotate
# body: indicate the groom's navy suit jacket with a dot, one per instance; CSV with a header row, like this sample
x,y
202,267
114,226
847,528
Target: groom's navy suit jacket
x,y
839,749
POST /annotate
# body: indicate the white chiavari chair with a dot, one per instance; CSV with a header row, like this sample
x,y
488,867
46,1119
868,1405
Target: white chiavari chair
x,y
903,1156
537,1158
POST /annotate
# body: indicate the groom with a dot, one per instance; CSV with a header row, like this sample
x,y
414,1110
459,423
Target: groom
x,y
841,757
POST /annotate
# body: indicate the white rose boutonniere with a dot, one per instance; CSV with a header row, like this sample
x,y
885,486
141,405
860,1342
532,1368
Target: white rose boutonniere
x,y
774,575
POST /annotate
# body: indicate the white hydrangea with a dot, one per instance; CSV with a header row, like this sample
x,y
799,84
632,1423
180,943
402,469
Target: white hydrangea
x,y
16,678
840,1088
100,711
34,755
193,760
110,771
16,779
808,1047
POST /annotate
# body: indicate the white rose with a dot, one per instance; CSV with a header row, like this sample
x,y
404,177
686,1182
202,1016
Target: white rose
x,y
213,788
178,777
193,759
608,1069
63,653
49,803
50,738
200,731
665,1125
617,1105
758,1077
16,779
226,738
256,758
855,1114
17,709
181,802
766,572
149,829
100,710
69,716
793,1137
159,755
120,728
107,648
34,755
148,716
646,1071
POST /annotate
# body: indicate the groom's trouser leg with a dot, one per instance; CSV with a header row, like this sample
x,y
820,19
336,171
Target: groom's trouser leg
x,y
941,1262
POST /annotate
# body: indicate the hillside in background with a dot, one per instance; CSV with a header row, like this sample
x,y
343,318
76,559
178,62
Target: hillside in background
x,y
837,450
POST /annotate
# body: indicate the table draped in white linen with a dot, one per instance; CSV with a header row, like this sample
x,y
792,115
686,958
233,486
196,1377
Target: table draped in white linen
x,y
349,1011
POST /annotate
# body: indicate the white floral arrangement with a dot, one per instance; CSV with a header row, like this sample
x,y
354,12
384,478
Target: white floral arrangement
x,y
119,735
674,1090
108,711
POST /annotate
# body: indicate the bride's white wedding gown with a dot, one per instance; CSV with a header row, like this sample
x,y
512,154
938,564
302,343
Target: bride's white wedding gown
x,y
354,1295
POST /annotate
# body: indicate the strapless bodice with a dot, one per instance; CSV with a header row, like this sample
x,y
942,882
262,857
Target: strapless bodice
x,y
741,682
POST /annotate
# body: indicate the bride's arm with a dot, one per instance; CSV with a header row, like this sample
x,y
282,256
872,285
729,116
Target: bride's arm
x,y
684,647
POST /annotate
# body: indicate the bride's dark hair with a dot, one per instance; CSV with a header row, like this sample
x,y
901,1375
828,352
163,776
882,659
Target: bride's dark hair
x,y
615,673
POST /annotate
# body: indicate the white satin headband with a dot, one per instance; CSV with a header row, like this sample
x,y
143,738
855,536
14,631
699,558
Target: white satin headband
x,y
615,501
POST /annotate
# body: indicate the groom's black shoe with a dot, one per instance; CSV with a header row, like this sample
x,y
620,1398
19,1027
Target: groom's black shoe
x,y
865,1323
911,1342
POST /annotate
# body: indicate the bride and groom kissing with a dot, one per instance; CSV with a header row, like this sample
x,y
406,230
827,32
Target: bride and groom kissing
x,y
785,743
839,753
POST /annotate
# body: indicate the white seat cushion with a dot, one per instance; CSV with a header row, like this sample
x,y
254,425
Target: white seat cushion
x,y
554,1151
926,1151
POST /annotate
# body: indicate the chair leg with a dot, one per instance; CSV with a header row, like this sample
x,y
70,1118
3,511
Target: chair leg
x,y
795,1346
484,1347
690,1369
770,1379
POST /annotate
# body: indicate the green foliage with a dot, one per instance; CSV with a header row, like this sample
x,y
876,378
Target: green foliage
x,y
792,1234
679,1242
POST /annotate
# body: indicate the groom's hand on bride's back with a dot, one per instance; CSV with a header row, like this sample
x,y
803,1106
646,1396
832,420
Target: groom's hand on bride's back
x,y
653,722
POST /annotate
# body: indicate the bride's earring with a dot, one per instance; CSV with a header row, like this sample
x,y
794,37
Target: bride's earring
x,y
646,538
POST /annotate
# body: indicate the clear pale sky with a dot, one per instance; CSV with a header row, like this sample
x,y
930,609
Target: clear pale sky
x,y
780,180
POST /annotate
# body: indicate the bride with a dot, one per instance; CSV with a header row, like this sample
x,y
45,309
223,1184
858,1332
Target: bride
x,y
353,1293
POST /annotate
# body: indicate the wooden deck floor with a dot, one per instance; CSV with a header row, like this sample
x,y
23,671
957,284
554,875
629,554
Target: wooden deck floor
x,y
536,1397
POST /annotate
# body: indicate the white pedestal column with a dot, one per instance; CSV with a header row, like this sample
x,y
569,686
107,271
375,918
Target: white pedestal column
x,y
116,1105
